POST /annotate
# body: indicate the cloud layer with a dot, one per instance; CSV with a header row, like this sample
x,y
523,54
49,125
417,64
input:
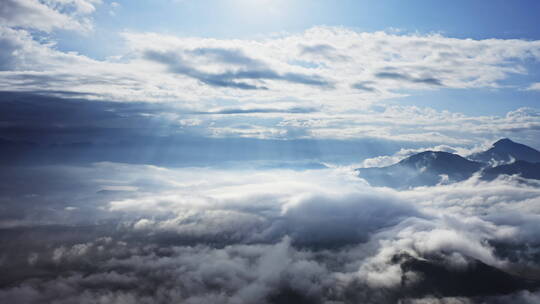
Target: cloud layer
x,y
375,132
357,67
344,76
144,234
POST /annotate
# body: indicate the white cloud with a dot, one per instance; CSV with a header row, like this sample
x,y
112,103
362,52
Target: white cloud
x,y
382,62
200,234
47,15
534,87
113,7
198,74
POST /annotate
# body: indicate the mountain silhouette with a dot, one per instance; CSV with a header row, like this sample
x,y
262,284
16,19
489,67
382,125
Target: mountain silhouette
x,y
522,168
506,150
423,169
430,168
439,278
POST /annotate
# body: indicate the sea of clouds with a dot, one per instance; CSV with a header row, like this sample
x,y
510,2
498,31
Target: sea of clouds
x,y
118,233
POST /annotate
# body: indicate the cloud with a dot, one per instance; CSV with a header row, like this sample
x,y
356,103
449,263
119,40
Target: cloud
x,y
200,69
174,124
78,231
114,6
323,50
199,74
318,49
197,71
405,77
47,16
249,70
24,60
260,110
534,87
195,235
364,86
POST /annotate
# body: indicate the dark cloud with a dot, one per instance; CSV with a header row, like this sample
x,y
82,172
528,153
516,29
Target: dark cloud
x,y
262,110
409,78
43,127
8,45
325,50
64,80
318,48
250,70
231,56
364,86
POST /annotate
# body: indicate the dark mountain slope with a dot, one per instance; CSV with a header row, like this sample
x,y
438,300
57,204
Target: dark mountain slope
x,y
474,280
506,150
423,169
520,167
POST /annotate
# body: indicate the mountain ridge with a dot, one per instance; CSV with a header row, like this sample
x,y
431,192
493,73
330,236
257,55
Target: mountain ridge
x,y
505,150
429,168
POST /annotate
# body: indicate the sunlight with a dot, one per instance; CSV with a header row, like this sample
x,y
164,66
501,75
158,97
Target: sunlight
x,y
257,9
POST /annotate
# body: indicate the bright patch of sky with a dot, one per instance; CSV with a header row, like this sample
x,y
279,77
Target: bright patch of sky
x,y
259,18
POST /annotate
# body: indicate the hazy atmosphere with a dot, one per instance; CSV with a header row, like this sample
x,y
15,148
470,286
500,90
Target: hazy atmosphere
x,y
269,151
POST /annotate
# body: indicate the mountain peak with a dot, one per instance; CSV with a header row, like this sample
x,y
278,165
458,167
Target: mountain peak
x,y
505,150
503,142
430,156
426,168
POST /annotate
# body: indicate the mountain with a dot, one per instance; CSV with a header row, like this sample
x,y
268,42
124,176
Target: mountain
x,y
423,169
438,278
506,150
430,168
520,167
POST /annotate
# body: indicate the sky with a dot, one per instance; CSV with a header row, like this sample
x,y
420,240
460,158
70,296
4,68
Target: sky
x,y
218,151
423,72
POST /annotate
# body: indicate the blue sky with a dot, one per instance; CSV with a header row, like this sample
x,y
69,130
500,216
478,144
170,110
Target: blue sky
x,y
430,72
248,18
251,19
255,18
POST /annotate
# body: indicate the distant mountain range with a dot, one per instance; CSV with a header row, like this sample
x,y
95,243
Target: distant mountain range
x,y
430,168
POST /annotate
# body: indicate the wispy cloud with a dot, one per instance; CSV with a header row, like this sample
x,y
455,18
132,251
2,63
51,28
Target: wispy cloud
x,y
47,16
246,69
534,87
50,113
377,66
